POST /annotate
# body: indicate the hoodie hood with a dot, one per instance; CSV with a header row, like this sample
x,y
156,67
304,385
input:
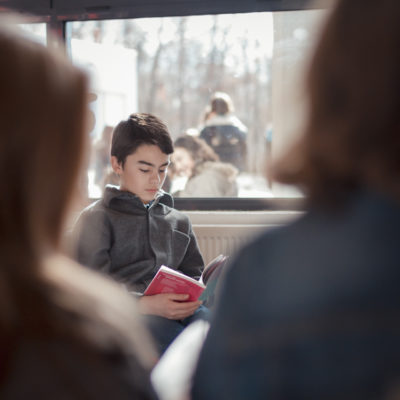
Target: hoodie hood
x,y
126,201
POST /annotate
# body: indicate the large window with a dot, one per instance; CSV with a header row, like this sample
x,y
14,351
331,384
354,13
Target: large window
x,y
172,67
36,31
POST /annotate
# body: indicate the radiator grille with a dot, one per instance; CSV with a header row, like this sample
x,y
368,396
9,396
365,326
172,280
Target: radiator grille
x,y
227,232
214,240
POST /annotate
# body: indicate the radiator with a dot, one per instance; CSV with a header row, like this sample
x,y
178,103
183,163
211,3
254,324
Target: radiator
x,y
220,239
225,232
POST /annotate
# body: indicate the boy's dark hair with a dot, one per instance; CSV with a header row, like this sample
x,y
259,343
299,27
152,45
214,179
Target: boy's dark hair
x,y
139,129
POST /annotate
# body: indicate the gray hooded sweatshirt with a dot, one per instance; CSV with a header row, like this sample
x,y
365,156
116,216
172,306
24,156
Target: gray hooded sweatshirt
x,y
121,237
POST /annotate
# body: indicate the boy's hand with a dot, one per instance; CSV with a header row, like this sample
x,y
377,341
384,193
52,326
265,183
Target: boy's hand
x,y
168,305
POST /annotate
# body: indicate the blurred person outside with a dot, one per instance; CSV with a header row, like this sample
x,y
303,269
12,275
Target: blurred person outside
x,y
268,149
224,132
65,332
111,178
84,179
207,176
311,310
134,229
103,170
102,156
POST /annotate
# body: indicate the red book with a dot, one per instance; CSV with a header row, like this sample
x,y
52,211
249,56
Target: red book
x,y
168,280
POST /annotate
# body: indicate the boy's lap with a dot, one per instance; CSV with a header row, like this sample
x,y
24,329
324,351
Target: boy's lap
x,y
164,330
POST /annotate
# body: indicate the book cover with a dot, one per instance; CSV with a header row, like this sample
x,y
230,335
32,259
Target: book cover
x,y
168,280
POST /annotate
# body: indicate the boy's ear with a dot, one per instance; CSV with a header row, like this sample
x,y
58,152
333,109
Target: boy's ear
x,y
116,166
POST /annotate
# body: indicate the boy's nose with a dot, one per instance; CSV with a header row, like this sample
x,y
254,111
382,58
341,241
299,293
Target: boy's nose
x,y
155,178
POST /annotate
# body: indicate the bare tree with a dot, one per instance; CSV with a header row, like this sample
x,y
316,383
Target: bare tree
x,y
215,72
212,58
154,76
182,72
256,142
224,47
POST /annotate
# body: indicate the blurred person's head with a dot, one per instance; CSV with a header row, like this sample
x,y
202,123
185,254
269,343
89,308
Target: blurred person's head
x,y
140,151
45,299
106,136
42,104
189,152
91,117
221,104
352,136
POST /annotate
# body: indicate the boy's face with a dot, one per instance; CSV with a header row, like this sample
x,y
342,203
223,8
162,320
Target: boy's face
x,y
144,171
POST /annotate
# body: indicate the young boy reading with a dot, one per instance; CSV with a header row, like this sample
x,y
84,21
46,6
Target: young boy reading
x,y
134,229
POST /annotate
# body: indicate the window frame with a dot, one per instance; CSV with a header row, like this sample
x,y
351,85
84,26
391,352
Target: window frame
x,y
61,12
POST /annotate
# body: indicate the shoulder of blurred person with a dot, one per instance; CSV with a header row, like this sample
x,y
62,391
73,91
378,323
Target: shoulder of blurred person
x,y
309,291
310,310
87,341
225,120
223,136
212,179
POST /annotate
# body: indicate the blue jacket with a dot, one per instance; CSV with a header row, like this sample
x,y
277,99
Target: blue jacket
x,y
310,310
227,136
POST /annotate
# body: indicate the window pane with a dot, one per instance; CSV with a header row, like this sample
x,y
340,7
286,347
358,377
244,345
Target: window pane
x,y
172,67
36,31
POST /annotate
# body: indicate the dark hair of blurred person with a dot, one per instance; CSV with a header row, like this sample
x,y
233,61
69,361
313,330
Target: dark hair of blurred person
x,y
352,138
311,310
221,103
65,332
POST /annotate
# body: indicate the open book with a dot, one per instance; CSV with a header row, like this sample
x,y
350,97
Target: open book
x,y
168,280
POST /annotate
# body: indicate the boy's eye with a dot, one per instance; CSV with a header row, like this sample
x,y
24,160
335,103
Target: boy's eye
x,y
161,171
144,170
